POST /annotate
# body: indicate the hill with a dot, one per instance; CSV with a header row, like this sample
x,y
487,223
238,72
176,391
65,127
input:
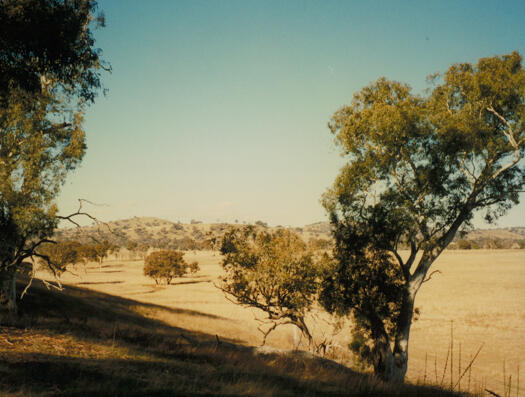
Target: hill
x,y
161,233
79,342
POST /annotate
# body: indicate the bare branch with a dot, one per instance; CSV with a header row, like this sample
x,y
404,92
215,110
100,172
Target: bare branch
x,y
30,281
430,275
467,172
512,141
79,212
49,263
50,285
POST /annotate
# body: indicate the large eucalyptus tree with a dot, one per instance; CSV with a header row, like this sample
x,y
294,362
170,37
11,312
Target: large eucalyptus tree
x,y
49,73
419,167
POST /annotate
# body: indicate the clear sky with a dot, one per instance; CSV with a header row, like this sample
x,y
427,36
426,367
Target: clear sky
x,y
218,110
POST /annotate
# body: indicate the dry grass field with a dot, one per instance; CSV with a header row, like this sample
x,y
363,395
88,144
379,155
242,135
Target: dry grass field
x,y
481,293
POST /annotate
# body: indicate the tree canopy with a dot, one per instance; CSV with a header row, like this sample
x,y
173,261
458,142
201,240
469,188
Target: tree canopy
x,y
56,257
165,265
419,167
49,72
271,271
50,42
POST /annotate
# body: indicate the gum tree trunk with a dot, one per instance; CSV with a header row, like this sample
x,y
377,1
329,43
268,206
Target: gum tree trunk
x,y
391,365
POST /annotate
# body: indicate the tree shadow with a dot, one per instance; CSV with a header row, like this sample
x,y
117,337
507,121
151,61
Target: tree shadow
x,y
109,349
75,308
99,282
183,282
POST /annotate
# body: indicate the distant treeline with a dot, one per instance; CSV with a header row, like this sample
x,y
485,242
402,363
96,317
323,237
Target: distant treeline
x,y
488,243
172,236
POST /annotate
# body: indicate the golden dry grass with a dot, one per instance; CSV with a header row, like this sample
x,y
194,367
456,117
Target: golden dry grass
x,y
482,292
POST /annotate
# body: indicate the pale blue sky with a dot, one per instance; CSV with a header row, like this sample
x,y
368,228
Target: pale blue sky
x,y
217,110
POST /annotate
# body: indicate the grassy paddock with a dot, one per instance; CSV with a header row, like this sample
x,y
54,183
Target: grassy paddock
x,y
80,342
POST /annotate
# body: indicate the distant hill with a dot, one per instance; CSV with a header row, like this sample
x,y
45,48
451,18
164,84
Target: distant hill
x,y
510,237
161,233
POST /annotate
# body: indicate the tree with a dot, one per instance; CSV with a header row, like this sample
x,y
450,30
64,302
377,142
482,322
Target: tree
x,y
56,257
142,249
419,167
49,73
165,265
49,42
103,248
271,271
87,253
194,267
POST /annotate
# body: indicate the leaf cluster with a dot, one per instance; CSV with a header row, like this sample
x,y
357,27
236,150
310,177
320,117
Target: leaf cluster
x,y
49,71
51,39
363,281
427,161
418,168
272,271
56,257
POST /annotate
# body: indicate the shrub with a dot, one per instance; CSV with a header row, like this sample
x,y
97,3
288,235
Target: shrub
x,y
165,265
194,267
271,271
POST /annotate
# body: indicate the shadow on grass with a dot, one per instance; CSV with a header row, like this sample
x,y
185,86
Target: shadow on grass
x,y
186,373
107,348
99,282
183,282
75,308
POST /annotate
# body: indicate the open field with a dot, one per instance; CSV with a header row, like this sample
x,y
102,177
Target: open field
x,y
481,292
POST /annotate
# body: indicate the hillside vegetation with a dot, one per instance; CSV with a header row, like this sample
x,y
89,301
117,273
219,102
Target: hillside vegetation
x,y
161,233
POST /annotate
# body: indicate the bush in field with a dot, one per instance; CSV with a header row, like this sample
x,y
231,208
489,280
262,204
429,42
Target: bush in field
x,y
164,266
194,267
272,271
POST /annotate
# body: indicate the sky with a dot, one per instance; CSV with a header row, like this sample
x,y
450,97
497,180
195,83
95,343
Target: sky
x,y
217,110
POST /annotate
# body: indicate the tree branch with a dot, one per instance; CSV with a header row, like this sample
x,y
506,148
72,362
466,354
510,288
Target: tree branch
x,y
430,275
78,213
512,141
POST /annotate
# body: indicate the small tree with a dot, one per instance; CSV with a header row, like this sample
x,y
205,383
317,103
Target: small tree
x,y
142,249
103,248
418,169
56,257
194,267
271,271
165,265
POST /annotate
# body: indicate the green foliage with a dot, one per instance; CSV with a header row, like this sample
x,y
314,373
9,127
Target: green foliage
x,y
49,72
419,167
165,265
319,244
102,249
88,252
272,271
51,38
56,257
359,346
